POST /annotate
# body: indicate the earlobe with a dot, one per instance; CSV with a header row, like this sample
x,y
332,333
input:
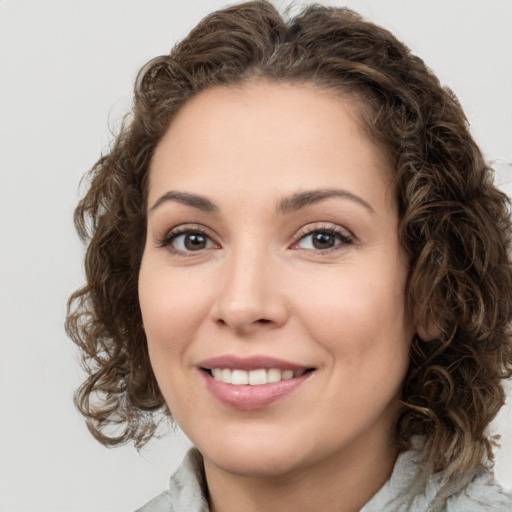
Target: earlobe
x,y
429,333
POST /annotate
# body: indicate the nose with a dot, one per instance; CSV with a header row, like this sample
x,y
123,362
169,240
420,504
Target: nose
x,y
250,296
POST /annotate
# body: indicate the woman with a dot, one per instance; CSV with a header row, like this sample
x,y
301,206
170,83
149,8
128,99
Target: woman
x,y
296,249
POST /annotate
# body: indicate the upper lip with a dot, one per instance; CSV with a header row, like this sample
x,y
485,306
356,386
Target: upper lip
x,y
250,363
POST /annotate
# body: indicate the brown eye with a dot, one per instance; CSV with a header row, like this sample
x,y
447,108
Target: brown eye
x,y
191,241
323,240
195,242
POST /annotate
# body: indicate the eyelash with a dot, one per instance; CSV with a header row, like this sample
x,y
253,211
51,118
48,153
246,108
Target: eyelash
x,y
171,236
342,235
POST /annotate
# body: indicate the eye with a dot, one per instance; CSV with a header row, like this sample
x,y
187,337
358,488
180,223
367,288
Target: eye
x,y
191,242
187,241
323,239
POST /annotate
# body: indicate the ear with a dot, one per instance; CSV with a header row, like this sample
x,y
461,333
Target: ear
x,y
429,333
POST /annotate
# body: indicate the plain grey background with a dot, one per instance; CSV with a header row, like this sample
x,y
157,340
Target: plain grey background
x,y
66,74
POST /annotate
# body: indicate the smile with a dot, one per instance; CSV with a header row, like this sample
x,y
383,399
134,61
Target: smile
x,y
256,377
252,383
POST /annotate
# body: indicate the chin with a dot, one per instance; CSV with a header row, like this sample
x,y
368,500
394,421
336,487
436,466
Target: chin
x,y
254,456
256,464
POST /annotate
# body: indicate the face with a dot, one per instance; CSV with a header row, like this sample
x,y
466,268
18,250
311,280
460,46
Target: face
x,y
272,281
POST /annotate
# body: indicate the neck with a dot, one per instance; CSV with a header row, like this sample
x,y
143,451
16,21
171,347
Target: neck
x,y
342,483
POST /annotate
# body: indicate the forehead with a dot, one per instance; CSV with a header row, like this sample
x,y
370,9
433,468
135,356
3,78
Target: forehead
x,y
265,136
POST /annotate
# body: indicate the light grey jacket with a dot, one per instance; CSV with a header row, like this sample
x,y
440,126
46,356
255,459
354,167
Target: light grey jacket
x,y
187,491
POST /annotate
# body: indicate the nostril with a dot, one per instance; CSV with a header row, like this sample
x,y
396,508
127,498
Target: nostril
x,y
263,321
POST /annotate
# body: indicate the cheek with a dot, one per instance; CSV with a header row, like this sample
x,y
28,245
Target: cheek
x,y
172,312
172,307
359,319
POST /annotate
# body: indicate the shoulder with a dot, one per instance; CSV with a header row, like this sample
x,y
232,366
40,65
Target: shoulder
x,y
480,495
162,503
187,489
408,491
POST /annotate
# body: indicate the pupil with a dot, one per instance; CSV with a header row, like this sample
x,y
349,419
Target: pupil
x,y
194,242
323,241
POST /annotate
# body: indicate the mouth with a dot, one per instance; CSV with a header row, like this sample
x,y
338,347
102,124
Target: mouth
x,y
252,383
257,377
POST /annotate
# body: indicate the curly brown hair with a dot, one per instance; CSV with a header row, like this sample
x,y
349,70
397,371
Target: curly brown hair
x,y
454,224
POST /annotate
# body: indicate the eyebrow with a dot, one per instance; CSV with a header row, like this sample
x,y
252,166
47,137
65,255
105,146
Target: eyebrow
x,y
194,200
287,205
309,197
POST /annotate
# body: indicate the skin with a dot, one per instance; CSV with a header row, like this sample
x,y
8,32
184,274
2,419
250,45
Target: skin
x,y
260,286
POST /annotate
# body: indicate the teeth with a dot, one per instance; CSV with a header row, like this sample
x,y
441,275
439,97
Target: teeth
x,y
253,377
225,376
239,377
273,375
287,375
257,377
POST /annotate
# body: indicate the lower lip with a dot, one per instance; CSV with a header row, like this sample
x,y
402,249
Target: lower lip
x,y
248,397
